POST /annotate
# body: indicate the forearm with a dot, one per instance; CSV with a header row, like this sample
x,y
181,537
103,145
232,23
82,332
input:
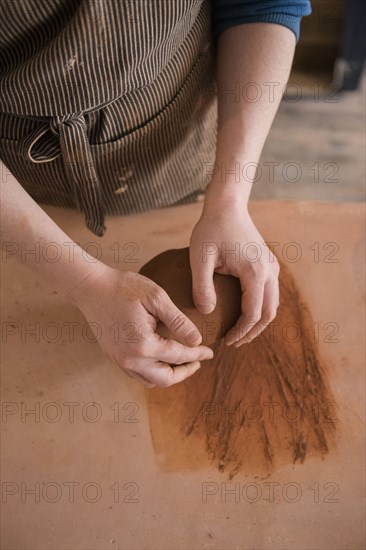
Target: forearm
x,y
253,66
29,234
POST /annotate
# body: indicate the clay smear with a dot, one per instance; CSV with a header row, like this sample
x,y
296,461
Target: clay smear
x,y
249,409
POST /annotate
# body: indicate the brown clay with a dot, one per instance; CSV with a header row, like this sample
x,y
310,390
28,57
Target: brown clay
x,y
253,408
171,271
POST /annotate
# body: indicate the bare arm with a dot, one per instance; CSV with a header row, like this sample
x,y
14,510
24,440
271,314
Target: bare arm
x,y
254,60
25,226
253,65
106,296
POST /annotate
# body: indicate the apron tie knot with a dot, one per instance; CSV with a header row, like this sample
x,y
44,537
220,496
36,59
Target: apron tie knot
x,y
66,136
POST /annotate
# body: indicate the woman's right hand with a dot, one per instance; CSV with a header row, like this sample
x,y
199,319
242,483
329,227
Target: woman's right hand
x,y
126,307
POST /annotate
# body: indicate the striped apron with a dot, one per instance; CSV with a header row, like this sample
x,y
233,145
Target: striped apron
x,y
108,106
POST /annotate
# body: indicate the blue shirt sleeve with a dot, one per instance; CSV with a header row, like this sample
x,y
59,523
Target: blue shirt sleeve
x,y
227,13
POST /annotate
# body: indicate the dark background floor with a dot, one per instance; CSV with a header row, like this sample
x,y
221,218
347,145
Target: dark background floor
x,y
318,142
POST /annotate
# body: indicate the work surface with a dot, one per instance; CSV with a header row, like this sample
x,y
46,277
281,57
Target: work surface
x,y
81,472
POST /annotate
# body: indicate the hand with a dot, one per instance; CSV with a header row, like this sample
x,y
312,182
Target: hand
x,y
126,307
220,242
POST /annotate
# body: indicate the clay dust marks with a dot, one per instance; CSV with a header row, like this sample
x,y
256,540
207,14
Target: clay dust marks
x,y
249,409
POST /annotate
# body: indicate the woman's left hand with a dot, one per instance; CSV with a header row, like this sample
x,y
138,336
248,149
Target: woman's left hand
x,y
226,240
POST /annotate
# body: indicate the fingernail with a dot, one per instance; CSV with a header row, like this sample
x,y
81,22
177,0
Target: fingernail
x,y
193,338
206,308
208,354
238,344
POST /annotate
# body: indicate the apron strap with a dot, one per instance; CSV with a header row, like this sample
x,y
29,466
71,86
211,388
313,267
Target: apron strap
x,y
69,140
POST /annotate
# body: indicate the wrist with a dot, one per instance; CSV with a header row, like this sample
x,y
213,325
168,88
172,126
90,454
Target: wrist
x,y
86,277
226,194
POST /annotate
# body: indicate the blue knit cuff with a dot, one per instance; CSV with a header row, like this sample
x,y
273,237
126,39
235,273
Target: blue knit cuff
x,y
290,21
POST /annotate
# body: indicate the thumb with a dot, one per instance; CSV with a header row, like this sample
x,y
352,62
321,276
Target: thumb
x,y
178,324
203,288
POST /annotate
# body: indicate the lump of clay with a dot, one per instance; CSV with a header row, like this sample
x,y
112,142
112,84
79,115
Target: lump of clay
x,y
171,270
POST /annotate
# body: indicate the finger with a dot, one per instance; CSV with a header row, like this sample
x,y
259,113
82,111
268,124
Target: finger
x,y
164,375
203,288
183,329
269,310
251,306
174,353
140,378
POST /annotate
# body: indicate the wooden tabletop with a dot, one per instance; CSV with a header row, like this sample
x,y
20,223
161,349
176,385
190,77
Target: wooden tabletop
x,y
79,470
